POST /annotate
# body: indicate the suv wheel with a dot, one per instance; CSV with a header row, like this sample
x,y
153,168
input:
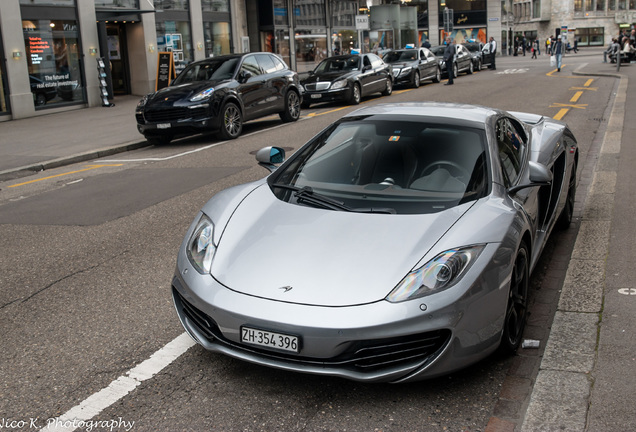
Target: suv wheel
x,y
291,112
231,121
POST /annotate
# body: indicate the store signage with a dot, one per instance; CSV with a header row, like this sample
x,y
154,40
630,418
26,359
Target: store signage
x,y
362,22
165,70
37,47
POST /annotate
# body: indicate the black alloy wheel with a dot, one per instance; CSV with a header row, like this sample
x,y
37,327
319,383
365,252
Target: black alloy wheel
x,y
232,121
517,308
291,112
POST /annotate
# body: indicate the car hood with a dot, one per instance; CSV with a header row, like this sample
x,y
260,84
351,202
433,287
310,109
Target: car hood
x,y
328,76
401,64
292,253
183,91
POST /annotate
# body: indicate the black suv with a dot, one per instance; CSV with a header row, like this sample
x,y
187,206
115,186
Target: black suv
x,y
217,95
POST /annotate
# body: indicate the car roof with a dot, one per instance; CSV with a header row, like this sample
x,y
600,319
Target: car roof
x,y
465,114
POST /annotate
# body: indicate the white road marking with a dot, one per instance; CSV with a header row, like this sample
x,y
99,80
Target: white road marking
x,y
122,386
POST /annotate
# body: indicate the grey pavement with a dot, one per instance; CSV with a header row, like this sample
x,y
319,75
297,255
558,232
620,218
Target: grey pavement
x,y
585,378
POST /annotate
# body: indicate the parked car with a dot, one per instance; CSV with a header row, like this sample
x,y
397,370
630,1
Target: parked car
x,y
463,61
412,66
218,94
396,245
347,78
480,53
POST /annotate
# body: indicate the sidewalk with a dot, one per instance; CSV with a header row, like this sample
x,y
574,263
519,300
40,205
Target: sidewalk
x,y
34,144
586,374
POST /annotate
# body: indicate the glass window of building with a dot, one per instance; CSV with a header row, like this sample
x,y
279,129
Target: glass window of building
x,y
47,2
344,36
311,48
215,5
171,5
217,38
175,37
53,60
310,13
117,4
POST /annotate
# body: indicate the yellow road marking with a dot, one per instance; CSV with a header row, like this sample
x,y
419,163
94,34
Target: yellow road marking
x,y
578,106
576,96
90,167
562,112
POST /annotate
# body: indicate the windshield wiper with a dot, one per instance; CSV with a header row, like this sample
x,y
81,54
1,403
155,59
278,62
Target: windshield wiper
x,y
307,195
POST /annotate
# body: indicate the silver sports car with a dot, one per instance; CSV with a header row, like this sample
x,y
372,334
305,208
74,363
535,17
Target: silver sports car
x,y
396,245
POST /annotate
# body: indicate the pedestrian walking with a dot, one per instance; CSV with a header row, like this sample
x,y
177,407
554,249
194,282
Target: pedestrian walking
x,y
537,46
449,56
558,52
534,50
493,50
548,42
611,48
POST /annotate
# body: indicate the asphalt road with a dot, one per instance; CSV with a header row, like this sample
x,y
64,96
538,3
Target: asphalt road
x,y
87,258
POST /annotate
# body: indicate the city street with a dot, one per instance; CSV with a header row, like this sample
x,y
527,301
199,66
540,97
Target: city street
x,y
89,249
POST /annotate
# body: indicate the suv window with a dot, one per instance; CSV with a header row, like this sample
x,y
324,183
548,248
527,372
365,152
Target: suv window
x,y
250,64
511,145
266,63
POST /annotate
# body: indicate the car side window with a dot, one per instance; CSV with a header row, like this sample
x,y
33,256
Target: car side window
x,y
375,61
366,61
266,63
250,64
511,147
278,63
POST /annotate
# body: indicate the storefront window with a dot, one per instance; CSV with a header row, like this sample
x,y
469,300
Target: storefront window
x,y
311,48
115,4
217,38
215,5
280,12
53,59
47,2
175,37
343,41
171,5
310,13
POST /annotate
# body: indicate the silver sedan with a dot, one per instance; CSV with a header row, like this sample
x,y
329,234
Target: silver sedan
x,y
396,245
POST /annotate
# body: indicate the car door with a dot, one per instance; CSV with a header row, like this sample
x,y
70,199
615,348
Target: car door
x,y
274,81
252,88
428,64
381,71
367,76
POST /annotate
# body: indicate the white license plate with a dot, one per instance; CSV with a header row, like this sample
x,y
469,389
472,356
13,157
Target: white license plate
x,y
270,339
163,126
316,96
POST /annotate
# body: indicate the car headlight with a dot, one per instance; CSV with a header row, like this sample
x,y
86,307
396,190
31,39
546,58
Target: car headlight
x,y
339,84
202,95
143,101
405,71
201,248
440,273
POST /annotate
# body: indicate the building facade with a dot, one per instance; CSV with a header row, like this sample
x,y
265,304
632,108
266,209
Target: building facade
x,y
51,50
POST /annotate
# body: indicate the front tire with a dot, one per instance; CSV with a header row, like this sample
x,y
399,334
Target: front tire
x,y
517,307
438,76
231,121
471,68
291,113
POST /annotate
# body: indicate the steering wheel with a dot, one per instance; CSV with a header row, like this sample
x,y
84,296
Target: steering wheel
x,y
455,169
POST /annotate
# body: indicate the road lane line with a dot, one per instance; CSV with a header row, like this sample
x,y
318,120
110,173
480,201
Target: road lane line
x,y
90,167
122,386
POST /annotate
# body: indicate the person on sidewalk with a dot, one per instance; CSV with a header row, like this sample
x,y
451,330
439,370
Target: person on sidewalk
x,y
493,50
449,56
557,50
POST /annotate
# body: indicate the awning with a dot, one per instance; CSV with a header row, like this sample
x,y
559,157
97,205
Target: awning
x,y
121,14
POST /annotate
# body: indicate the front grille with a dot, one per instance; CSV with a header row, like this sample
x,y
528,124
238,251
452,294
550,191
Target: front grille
x,y
318,86
360,356
173,114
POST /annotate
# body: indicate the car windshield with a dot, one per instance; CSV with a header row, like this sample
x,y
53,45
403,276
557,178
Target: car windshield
x,y
388,163
395,56
472,47
336,64
438,50
210,70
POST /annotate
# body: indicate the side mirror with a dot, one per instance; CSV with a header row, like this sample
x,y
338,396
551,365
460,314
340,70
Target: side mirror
x,y
244,76
268,157
539,175
366,68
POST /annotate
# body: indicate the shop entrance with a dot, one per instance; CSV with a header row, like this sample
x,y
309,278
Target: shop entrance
x,y
118,56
